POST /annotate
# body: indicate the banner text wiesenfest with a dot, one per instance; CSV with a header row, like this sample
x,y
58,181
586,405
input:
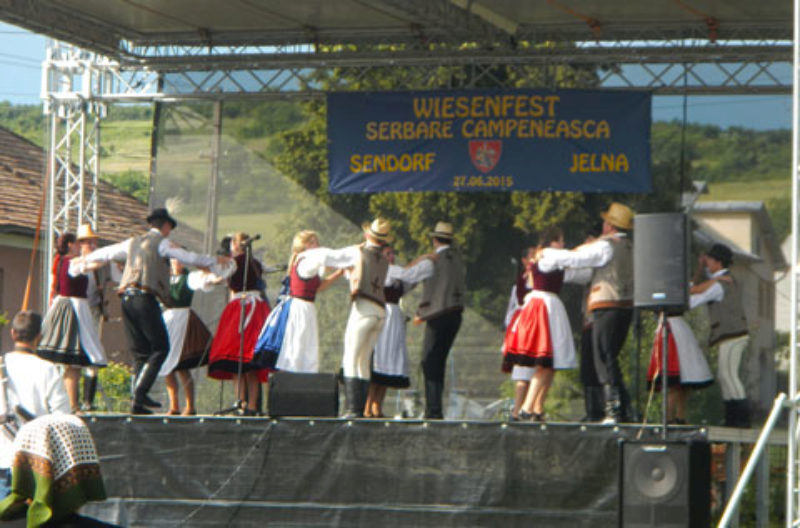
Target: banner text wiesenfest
x,y
566,140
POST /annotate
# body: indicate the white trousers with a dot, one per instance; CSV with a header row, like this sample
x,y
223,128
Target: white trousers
x,y
363,329
729,358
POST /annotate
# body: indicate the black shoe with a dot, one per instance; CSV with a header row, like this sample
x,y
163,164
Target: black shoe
x,y
140,409
147,401
525,416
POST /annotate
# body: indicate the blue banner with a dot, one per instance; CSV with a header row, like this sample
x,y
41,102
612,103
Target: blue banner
x,y
489,140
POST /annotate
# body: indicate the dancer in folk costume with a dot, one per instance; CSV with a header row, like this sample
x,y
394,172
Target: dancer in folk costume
x,y
223,362
540,336
69,335
145,281
289,339
520,375
687,367
390,358
721,294
367,277
188,339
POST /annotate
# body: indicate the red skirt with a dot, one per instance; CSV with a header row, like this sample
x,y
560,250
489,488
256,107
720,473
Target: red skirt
x,y
223,359
528,341
654,372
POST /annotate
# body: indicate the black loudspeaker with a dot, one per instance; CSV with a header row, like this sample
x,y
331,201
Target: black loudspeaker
x,y
660,262
665,485
295,394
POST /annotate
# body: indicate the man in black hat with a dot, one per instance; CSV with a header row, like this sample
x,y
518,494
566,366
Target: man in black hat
x,y
144,282
721,294
443,293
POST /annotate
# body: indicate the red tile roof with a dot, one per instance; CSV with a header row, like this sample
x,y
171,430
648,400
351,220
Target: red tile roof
x,y
22,167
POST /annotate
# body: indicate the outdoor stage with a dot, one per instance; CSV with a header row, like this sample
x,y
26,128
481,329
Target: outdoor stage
x,y
223,471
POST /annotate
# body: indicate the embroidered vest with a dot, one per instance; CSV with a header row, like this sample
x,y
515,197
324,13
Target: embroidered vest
x,y
303,288
726,317
369,275
612,285
393,293
549,282
253,275
145,268
444,291
67,286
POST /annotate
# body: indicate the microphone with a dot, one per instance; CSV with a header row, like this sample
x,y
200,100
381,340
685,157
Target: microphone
x,y
250,240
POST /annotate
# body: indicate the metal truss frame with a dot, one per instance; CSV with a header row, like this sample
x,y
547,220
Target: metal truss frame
x,y
78,85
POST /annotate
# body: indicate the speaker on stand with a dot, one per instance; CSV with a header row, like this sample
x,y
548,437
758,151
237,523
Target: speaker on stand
x,y
665,485
660,276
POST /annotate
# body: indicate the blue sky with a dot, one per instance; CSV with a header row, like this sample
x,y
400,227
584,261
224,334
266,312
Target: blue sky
x,y
22,52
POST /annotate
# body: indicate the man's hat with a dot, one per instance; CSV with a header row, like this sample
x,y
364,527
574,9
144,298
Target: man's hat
x,y
162,214
722,253
443,230
619,215
378,229
85,232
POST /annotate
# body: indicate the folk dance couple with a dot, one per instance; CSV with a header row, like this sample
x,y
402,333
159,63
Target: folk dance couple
x,y
541,336
290,340
144,284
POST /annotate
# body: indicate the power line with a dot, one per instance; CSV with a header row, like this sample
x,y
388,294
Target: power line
x,y
21,57
19,65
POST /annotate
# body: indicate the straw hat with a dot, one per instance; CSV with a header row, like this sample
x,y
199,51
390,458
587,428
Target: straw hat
x,y
85,232
378,229
619,215
443,230
162,214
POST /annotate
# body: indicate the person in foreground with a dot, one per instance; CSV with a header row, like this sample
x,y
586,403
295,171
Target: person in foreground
x,y
50,465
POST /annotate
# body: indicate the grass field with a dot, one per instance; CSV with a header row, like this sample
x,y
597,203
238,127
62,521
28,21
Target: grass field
x,y
747,190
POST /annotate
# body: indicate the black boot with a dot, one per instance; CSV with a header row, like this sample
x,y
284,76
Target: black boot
x,y
593,401
741,413
613,405
352,396
89,391
433,400
144,381
730,413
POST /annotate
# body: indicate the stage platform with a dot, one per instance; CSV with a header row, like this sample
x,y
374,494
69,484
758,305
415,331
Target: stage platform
x,y
227,471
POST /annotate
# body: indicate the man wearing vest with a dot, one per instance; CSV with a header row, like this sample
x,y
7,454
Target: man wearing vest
x,y
145,281
443,289
728,328
610,303
368,270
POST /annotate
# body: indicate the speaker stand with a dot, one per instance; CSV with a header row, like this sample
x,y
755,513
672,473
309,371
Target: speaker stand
x,y
664,371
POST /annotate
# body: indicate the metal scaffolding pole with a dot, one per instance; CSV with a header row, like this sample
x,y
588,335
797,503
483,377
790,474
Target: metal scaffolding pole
x,y
70,77
792,485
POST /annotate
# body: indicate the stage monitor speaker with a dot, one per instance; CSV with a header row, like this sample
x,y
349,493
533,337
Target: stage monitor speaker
x,y
665,485
660,258
296,394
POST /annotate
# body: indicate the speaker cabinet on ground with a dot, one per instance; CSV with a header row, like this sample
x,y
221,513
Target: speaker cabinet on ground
x,y
292,394
665,485
660,258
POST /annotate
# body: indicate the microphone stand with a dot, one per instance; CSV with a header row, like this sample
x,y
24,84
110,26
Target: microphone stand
x,y
239,406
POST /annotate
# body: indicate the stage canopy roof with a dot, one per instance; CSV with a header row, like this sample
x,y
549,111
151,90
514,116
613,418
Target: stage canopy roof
x,y
151,32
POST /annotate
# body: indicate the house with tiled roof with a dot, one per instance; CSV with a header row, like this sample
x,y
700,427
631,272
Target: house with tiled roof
x,y
22,168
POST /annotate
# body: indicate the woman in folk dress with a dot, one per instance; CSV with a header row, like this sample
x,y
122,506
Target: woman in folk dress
x,y
289,339
540,335
69,335
224,357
